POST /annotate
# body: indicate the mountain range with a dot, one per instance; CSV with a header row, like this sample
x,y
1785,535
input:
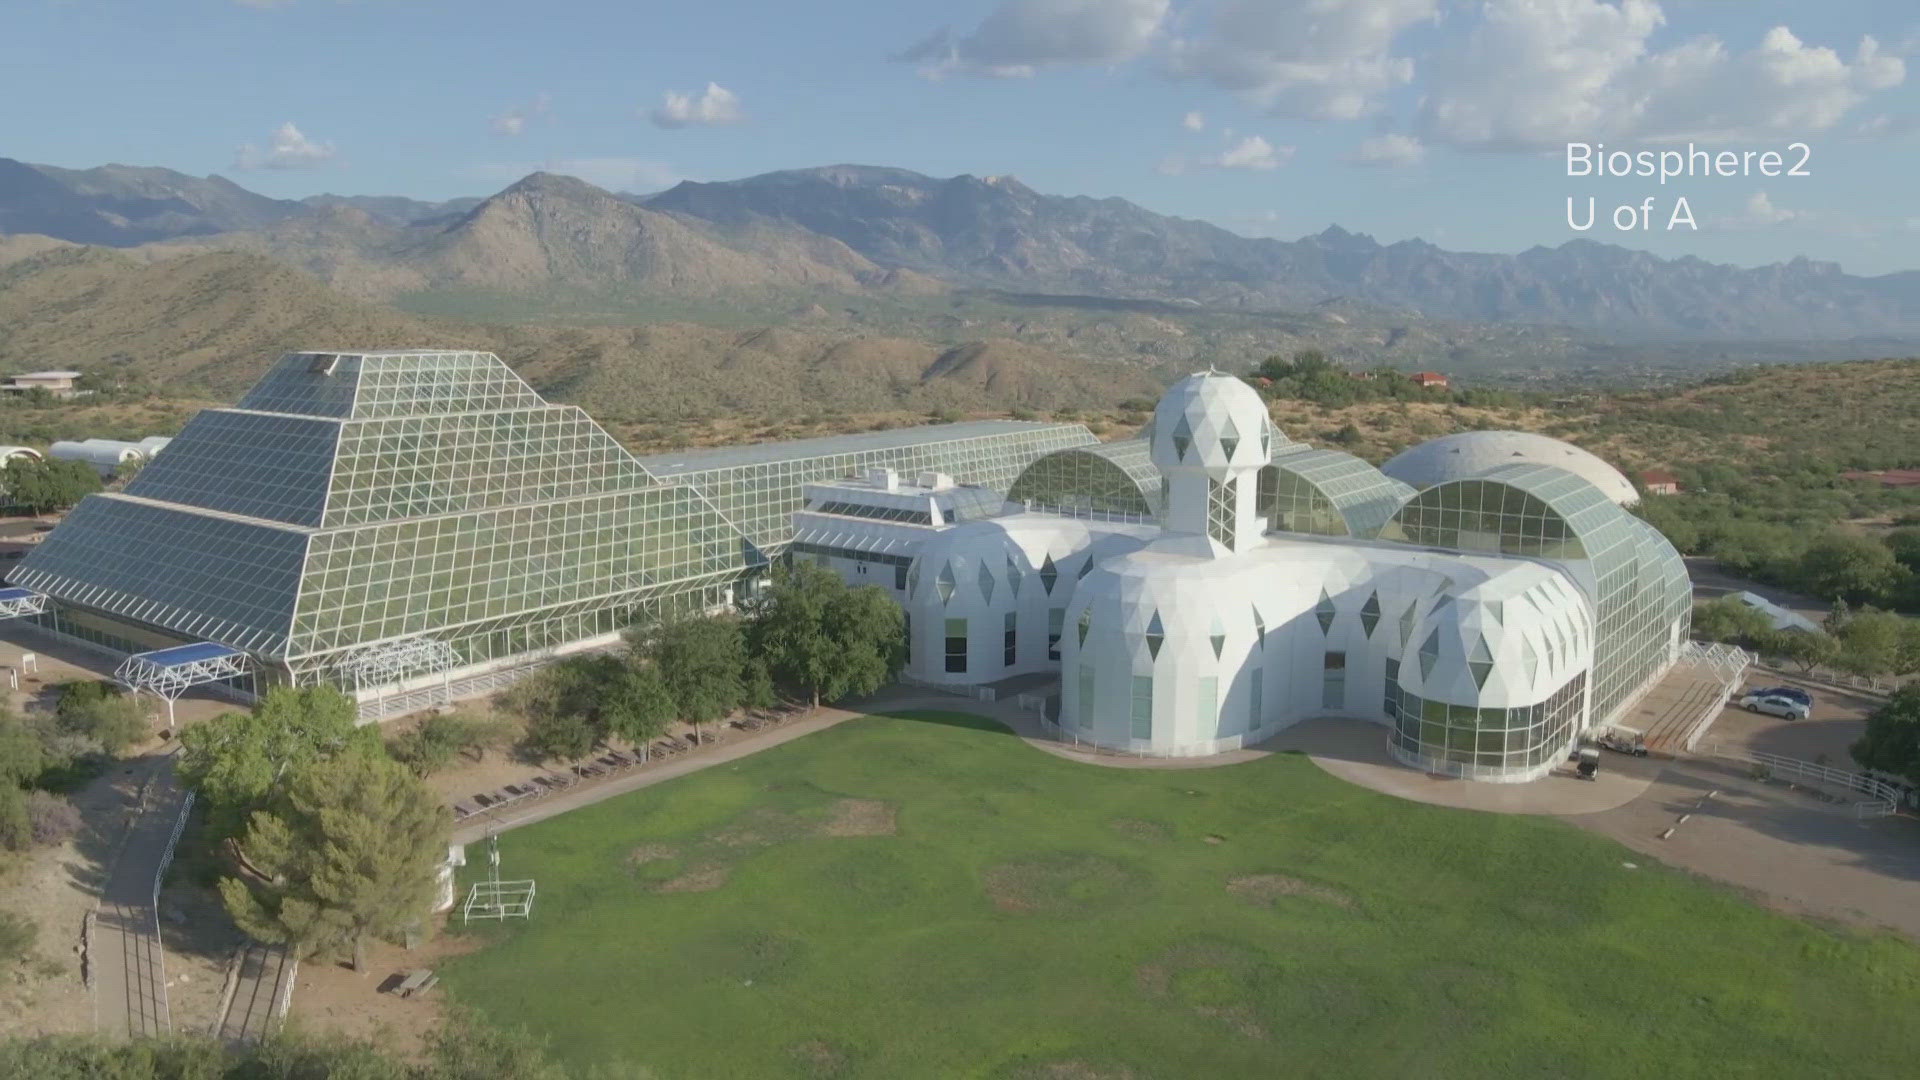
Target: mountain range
x,y
865,232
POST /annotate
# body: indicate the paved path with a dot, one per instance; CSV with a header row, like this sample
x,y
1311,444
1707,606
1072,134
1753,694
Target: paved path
x,y
261,983
123,947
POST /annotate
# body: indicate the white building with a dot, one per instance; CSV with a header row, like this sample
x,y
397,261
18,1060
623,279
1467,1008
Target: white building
x,y
110,456
1485,622
867,529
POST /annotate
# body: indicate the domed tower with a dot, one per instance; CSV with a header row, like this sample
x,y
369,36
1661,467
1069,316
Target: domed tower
x,y
1211,436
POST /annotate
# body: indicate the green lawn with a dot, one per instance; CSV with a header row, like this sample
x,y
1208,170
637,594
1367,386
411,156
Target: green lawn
x,y
1032,917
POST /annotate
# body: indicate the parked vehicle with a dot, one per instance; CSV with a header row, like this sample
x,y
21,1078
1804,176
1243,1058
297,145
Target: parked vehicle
x,y
1588,764
1785,708
1793,692
1623,742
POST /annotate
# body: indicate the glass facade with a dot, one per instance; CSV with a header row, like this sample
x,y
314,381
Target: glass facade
x,y
1467,741
758,488
1326,493
1637,581
1141,712
1116,479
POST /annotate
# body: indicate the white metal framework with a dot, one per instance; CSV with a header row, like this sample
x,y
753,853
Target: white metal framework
x,y
168,673
17,602
387,662
496,899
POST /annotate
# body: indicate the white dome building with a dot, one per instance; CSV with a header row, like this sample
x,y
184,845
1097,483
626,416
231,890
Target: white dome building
x,y
1485,621
1472,453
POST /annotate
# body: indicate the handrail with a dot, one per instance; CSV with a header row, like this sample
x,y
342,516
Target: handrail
x,y
1861,782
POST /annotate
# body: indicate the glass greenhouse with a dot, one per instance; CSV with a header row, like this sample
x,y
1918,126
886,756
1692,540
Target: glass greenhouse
x,y
1116,479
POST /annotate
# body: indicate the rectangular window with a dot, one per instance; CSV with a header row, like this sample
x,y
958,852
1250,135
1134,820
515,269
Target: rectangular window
x,y
1333,685
907,620
1009,642
1392,689
1142,712
1086,695
1207,708
1256,714
900,576
956,645
1056,622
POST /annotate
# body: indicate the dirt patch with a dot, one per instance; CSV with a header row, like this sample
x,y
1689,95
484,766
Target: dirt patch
x,y
819,1058
862,817
1211,978
1141,829
330,998
704,879
1265,888
1070,1070
1236,1017
1215,838
1063,881
646,853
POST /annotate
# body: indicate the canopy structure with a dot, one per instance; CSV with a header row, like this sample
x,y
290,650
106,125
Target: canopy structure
x,y
169,673
16,602
386,662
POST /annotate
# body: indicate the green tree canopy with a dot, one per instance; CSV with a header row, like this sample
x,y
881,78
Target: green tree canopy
x,y
831,641
46,486
1727,619
1892,740
702,663
235,760
351,851
1848,566
563,705
636,703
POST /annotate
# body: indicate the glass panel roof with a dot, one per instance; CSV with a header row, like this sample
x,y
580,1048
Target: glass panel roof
x,y
256,464
1112,478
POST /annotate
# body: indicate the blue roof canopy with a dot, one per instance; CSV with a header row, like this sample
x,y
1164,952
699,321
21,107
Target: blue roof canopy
x,y
198,652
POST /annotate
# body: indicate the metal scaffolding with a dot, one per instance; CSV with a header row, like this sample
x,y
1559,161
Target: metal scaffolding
x,y
16,602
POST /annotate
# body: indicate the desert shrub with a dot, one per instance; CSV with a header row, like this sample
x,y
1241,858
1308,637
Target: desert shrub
x,y
51,819
101,712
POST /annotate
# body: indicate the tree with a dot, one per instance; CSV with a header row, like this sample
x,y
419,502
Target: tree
x,y
562,706
432,745
637,705
1848,566
98,710
1870,642
832,641
1808,649
45,486
701,663
352,851
234,761
1727,619
1892,740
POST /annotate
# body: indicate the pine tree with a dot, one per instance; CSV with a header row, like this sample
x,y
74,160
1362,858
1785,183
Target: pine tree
x,y
352,851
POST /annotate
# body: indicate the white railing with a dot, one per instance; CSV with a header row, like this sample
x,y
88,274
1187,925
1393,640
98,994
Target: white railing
x,y
1882,798
1727,663
159,875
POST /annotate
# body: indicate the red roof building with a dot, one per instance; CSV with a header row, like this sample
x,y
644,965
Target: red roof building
x,y
1660,482
1428,380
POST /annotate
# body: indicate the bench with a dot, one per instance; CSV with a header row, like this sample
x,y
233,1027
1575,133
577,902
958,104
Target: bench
x,y
416,981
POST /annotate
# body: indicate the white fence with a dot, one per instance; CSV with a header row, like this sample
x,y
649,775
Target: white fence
x,y
159,876
1726,663
1882,798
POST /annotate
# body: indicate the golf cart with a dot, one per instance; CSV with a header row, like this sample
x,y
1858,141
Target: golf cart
x,y
1623,742
1588,766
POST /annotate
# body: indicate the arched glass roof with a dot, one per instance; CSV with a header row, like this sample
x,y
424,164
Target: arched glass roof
x,y
1327,493
1109,479
1636,580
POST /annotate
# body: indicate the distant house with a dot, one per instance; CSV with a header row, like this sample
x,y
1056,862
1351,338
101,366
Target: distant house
x,y
1429,380
1782,618
1660,482
1892,478
57,383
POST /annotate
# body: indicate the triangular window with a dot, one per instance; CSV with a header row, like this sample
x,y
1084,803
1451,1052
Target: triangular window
x,y
1048,574
1086,620
1429,654
1406,624
1086,568
1218,638
986,583
1498,610
1014,576
1530,660
1325,612
1156,636
1259,628
1182,438
1370,614
1480,662
944,583
1229,439
1266,438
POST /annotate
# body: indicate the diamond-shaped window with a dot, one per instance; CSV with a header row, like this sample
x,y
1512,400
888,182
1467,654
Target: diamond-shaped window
x,y
986,583
1049,574
1156,636
1429,654
1266,438
1182,438
1325,612
1370,614
1480,662
944,583
1406,624
1229,439
1014,576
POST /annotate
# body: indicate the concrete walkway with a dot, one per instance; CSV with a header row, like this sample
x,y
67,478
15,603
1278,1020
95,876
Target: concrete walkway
x,y
124,955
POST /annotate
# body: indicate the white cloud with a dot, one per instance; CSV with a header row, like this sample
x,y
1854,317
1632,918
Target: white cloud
x,y
1022,36
1533,74
1250,152
1193,121
1303,59
289,150
716,105
1389,151
515,120
1760,211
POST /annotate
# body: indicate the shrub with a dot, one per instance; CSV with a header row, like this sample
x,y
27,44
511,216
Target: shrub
x,y
17,936
51,819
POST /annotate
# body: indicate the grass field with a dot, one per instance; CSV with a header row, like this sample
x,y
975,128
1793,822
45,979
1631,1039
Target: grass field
x,y
928,896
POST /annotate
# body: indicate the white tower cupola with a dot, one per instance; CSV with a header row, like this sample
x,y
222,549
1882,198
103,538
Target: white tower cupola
x,y
1211,436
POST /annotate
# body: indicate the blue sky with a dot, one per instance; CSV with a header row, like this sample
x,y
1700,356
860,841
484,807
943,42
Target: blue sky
x,y
1441,119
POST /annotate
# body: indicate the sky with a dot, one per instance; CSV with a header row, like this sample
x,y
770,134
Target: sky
x,y
1446,120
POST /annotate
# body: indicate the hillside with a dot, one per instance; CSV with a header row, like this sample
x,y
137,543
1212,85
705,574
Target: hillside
x,y
212,321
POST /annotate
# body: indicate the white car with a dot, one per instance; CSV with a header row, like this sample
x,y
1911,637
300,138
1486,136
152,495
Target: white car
x,y
1779,705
